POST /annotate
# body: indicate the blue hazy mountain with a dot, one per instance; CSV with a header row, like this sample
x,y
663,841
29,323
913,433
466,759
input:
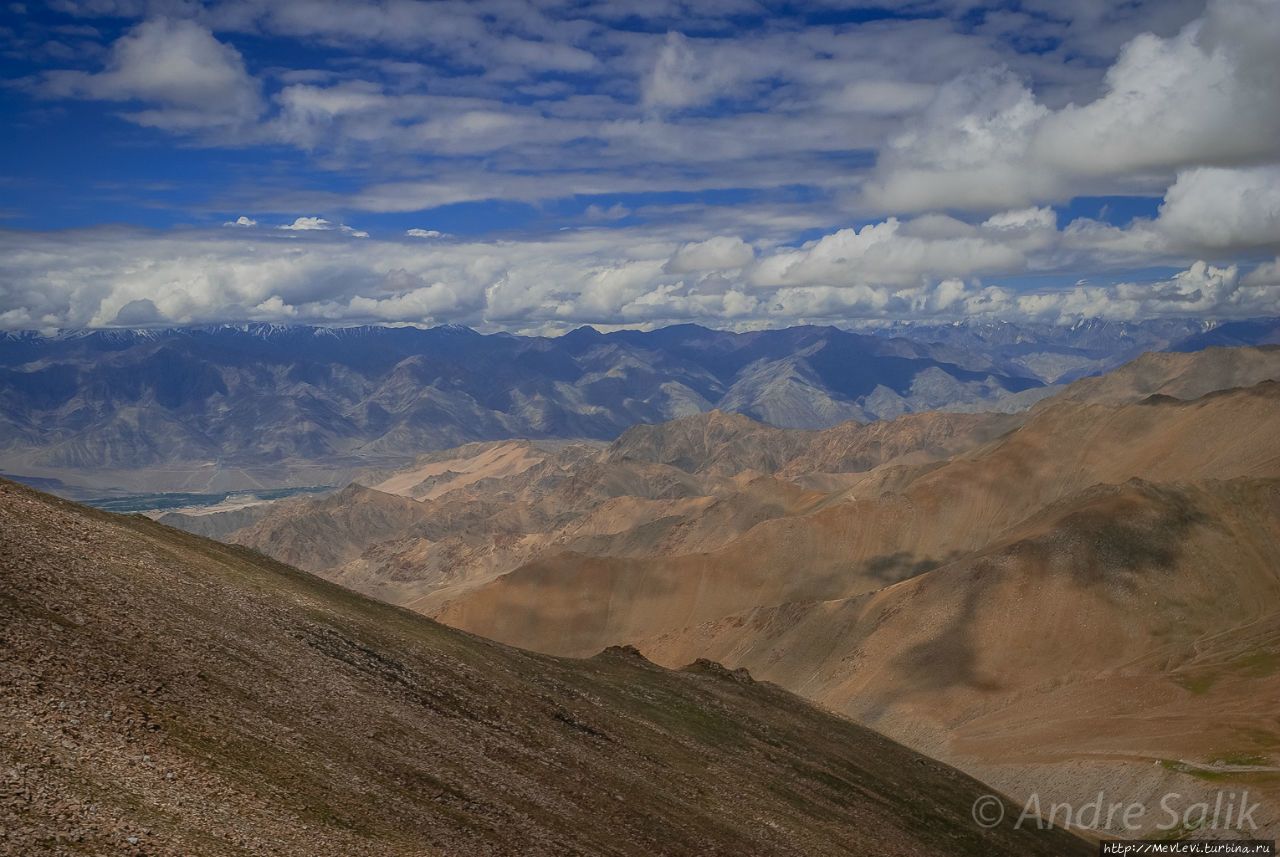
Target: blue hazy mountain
x,y
226,407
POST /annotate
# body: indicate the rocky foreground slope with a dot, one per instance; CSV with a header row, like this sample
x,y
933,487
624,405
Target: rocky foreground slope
x,y
161,694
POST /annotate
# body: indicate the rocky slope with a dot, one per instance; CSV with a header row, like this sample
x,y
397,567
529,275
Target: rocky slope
x,y
161,694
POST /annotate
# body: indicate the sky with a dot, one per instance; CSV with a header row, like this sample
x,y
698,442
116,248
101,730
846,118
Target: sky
x,y
537,166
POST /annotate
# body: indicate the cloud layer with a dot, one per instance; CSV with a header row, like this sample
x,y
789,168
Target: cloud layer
x,y
927,268
712,162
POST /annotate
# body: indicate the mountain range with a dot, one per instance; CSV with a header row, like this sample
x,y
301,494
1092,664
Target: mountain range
x,y
162,694
1081,594
95,413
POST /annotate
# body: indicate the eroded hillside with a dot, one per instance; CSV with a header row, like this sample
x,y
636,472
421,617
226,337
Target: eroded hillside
x,y
167,695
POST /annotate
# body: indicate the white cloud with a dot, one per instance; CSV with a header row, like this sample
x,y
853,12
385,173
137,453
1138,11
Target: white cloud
x,y
1185,111
242,221
1203,97
319,224
1212,207
721,252
888,253
968,149
308,224
1023,219
1266,274
678,79
104,277
617,211
196,81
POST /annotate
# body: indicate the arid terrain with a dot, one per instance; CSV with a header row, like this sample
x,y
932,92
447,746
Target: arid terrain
x,y
1078,597
162,694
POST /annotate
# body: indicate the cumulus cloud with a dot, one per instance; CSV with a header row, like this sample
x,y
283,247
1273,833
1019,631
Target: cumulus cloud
x,y
721,252
892,252
319,224
195,81
242,221
424,233
967,149
1266,274
920,269
1205,96
308,224
1201,98
1213,207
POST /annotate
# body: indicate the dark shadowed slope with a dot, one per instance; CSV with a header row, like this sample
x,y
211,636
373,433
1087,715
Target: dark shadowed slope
x,y
161,694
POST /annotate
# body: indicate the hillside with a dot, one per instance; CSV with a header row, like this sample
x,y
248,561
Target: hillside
x,y
162,694
681,488
1002,593
854,566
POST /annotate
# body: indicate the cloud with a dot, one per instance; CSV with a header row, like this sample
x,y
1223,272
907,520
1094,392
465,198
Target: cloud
x,y
319,224
891,252
1266,274
920,155
617,211
196,81
930,268
967,150
1203,97
719,253
308,224
1206,96
1212,207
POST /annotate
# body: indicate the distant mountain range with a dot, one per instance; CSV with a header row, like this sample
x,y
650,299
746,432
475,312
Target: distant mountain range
x,y
223,408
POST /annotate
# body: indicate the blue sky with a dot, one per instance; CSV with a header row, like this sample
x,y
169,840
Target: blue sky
x,y
536,166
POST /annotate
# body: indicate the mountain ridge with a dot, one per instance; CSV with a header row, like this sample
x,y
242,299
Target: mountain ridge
x,y
238,407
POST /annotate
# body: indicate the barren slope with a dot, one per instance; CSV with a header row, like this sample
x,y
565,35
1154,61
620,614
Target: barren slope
x,y
1127,639
166,695
681,488
866,539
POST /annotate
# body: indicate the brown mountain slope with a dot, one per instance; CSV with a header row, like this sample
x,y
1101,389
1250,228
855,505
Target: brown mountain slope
x,y
714,443
914,438
685,487
865,540
167,695
1116,641
882,603
1180,376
